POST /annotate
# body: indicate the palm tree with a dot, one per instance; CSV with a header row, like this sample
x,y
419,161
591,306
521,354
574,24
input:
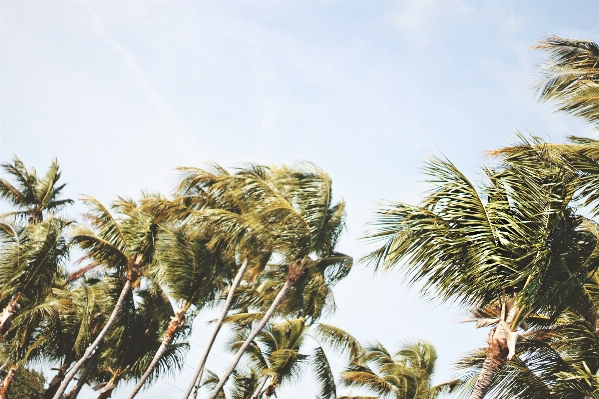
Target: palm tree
x,y
33,196
130,345
64,338
277,356
124,245
570,76
31,258
253,213
405,375
294,206
212,196
27,338
554,361
524,247
191,274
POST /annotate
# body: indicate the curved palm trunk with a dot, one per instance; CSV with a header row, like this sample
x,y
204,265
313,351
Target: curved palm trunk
x,y
496,358
502,346
97,341
260,387
197,376
295,272
174,327
7,383
83,378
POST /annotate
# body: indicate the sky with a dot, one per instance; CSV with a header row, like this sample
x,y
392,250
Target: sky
x,y
123,92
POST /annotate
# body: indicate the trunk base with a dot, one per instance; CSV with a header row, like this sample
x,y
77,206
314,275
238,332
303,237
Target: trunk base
x,y
497,357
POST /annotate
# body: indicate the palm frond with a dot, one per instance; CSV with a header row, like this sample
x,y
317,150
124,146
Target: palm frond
x,y
323,374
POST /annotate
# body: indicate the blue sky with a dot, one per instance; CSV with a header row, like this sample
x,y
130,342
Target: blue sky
x,y
123,92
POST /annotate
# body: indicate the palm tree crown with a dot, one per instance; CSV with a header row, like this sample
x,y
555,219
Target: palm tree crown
x,y
33,195
407,374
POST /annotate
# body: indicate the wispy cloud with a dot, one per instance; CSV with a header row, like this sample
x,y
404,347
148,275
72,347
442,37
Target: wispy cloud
x,y
169,118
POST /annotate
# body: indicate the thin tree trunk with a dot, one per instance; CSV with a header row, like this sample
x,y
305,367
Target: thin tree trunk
x,y
197,376
280,296
260,387
496,358
174,327
7,383
89,364
502,346
97,341
55,383
7,315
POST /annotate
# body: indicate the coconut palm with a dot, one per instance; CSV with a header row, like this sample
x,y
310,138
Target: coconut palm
x,y
25,340
58,328
278,355
524,246
64,338
33,195
252,213
130,346
123,245
554,361
570,76
311,297
213,197
294,207
407,374
31,258
191,274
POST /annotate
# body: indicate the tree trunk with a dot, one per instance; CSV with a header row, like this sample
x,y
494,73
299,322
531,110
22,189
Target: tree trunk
x,y
197,376
174,327
502,346
7,383
97,341
295,272
496,358
260,387
106,392
7,315
89,364
55,383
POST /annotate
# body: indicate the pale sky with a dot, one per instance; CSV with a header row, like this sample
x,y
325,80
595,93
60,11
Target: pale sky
x,y
123,92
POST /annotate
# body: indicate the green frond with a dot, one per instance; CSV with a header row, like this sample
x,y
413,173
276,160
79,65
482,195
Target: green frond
x,y
98,248
244,384
104,222
338,340
210,380
569,76
368,381
323,374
